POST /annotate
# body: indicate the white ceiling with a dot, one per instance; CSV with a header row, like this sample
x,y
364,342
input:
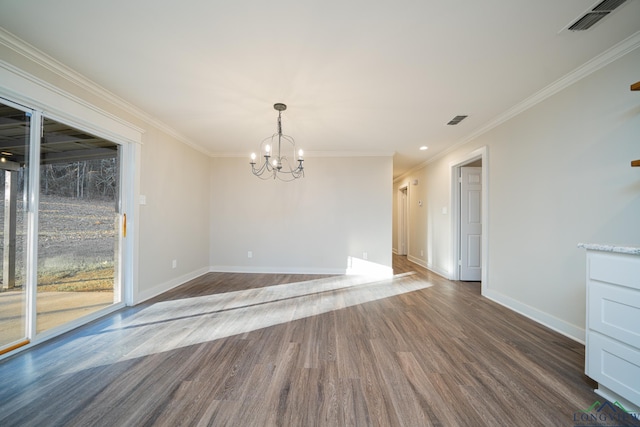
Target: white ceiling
x,y
375,76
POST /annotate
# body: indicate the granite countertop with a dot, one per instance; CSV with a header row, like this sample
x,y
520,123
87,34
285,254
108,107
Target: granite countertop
x,y
610,248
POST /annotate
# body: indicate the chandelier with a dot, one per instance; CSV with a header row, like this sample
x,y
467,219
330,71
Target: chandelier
x,y
278,155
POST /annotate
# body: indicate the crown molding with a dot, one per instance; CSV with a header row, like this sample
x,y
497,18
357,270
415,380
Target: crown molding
x,y
607,57
50,64
319,154
40,100
616,52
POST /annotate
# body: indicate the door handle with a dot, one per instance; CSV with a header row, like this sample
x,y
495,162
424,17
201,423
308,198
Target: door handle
x,y
124,225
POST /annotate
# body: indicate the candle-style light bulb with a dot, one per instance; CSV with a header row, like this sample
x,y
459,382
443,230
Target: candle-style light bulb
x,y
300,154
267,149
253,157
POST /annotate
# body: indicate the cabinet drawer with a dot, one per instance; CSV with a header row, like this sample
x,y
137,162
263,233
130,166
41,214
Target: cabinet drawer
x,y
615,366
618,269
615,312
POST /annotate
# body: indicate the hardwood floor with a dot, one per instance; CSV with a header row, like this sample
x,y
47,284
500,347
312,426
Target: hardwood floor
x,y
276,350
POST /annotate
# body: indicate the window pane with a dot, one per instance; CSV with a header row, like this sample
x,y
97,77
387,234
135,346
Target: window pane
x,y
14,150
77,219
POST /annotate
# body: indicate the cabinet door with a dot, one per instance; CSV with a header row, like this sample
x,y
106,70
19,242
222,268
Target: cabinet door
x,y
615,366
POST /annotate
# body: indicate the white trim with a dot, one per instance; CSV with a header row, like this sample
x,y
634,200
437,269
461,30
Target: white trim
x,y
480,153
47,62
402,209
317,154
168,285
130,194
23,88
432,268
571,331
439,271
616,52
420,262
33,197
275,270
372,269
612,396
607,57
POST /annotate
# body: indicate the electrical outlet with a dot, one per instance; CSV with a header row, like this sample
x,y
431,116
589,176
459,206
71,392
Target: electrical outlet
x,y
249,254
174,263
365,255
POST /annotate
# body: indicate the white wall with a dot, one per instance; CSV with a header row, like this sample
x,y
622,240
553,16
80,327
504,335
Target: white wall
x,y
174,222
559,174
342,208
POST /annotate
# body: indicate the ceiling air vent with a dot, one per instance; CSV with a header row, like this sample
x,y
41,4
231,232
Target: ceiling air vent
x,y
608,5
456,120
598,12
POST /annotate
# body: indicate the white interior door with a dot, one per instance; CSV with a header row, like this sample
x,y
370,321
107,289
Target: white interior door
x,y
470,223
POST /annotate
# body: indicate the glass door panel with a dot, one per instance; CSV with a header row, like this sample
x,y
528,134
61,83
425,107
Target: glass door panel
x,y
78,225
15,129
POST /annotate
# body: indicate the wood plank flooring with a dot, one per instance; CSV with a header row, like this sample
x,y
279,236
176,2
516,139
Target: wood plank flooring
x,y
292,350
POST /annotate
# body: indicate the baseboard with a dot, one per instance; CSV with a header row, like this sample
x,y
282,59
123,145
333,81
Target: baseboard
x,y
355,267
274,270
418,261
430,267
439,271
612,396
545,319
164,287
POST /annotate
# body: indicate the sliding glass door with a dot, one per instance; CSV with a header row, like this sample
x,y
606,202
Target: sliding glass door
x,y
78,224
15,136
60,237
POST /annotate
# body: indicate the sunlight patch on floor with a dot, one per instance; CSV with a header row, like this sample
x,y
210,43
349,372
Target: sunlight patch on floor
x,y
174,324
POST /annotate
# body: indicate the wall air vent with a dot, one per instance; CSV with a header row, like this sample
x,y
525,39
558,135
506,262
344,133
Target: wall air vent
x,y
596,13
456,120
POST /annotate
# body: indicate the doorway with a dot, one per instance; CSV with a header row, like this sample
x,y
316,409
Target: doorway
x,y
476,198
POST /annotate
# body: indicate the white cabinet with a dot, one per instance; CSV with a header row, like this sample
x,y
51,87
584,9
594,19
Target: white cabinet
x,y
612,354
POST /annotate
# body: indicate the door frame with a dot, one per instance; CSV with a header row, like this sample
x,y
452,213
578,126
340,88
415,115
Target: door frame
x,y
123,282
403,220
483,154
44,99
